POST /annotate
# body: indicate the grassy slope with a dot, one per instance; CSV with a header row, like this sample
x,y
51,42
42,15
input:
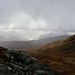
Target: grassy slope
x,y
59,55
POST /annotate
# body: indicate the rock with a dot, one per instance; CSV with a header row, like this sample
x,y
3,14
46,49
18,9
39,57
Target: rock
x,y
22,63
41,72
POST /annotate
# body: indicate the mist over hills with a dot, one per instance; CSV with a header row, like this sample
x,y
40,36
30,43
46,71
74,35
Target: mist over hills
x,y
30,44
49,39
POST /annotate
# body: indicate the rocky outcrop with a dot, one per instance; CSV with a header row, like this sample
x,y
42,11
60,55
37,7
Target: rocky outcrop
x,y
22,63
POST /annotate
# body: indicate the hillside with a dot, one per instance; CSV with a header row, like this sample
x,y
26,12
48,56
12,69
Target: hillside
x,y
22,63
59,55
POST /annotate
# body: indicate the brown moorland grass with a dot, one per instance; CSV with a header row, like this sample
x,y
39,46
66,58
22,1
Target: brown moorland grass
x,y
59,55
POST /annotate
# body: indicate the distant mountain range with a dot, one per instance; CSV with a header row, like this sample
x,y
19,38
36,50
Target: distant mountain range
x,y
30,44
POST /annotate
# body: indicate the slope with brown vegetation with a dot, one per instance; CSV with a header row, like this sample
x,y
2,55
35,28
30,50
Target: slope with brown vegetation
x,y
59,55
22,63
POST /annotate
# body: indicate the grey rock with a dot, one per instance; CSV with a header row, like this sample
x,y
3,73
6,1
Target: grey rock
x,y
41,72
22,63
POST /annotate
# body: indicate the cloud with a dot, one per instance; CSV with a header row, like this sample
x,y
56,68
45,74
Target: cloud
x,y
24,19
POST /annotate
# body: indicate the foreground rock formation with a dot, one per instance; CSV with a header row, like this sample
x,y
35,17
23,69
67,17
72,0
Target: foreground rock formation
x,y
22,63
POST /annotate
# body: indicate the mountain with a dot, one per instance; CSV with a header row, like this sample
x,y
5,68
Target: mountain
x,y
55,33
45,40
29,44
58,54
62,45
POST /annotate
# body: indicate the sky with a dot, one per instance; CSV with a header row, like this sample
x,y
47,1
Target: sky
x,y
29,19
